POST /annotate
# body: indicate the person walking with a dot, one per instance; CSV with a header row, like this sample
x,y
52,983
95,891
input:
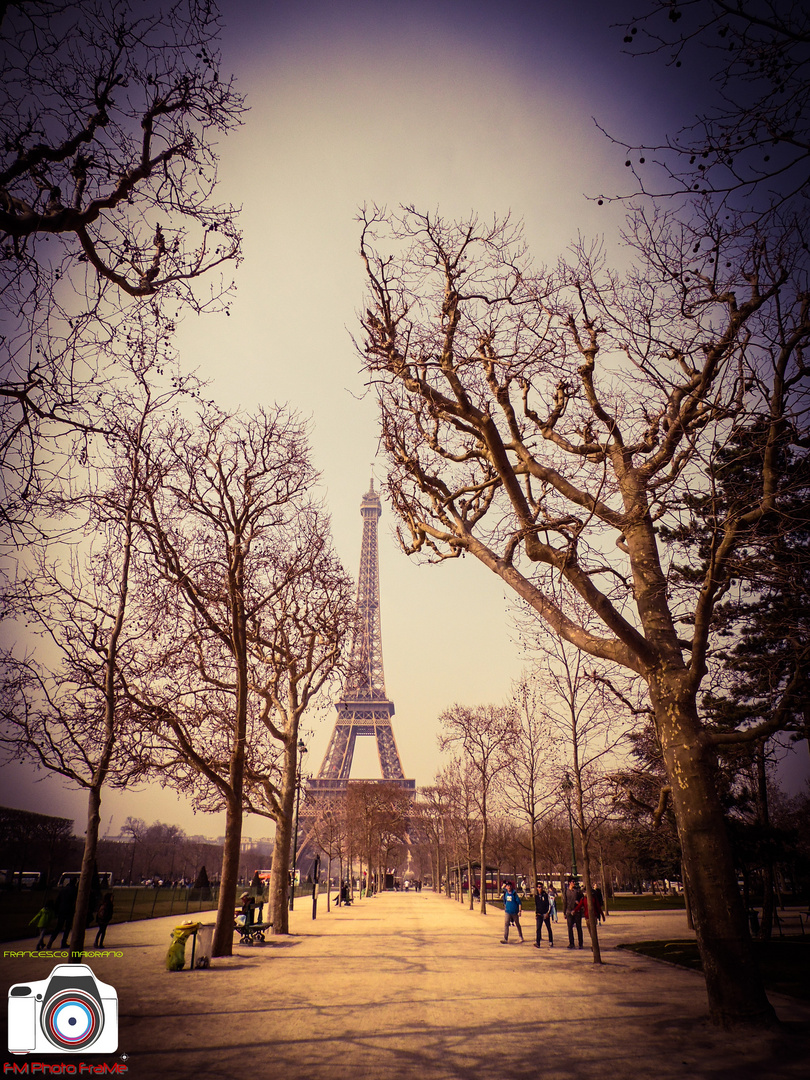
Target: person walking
x,y
573,911
43,919
104,914
542,913
552,899
65,909
599,904
511,912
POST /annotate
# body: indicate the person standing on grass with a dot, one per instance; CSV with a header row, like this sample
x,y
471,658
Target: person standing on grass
x,y
542,913
511,912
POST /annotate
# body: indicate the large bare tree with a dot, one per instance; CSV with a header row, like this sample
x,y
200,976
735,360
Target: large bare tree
x,y
220,528
110,111
547,422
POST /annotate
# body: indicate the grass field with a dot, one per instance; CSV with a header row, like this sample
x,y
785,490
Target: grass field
x,y
648,902
784,962
130,905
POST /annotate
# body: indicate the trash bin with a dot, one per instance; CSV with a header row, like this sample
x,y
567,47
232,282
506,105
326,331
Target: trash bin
x,y
176,956
204,945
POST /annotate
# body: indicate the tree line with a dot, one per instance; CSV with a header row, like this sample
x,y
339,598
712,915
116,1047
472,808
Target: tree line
x,y
170,571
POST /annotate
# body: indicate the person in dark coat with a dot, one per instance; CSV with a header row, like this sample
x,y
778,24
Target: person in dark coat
x,y
104,914
542,913
598,904
65,910
573,911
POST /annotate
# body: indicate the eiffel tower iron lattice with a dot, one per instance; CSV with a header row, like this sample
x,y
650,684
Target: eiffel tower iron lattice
x,y
364,708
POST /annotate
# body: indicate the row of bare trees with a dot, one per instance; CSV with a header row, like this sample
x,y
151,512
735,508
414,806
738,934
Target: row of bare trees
x,y
370,832
172,599
548,754
200,612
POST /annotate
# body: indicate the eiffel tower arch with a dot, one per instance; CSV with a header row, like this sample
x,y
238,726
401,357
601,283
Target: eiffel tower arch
x,y
364,708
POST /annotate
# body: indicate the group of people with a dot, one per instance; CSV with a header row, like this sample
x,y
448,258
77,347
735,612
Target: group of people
x,y
575,908
63,910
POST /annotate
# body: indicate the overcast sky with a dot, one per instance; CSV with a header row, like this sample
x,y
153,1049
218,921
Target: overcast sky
x,y
449,105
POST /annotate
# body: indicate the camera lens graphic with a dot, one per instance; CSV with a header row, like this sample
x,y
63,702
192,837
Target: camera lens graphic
x,y
72,1020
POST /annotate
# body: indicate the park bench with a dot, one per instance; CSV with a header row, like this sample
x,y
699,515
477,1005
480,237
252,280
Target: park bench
x,y
786,919
253,929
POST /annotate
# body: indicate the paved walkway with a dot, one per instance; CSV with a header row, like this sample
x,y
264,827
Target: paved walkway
x,y
413,986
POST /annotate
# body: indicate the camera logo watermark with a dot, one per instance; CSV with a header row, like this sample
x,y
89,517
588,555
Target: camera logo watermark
x,y
70,1012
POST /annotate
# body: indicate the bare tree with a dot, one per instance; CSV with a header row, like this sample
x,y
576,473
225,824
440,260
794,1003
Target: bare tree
x,y
298,645
329,834
379,813
484,736
432,812
459,780
68,714
548,422
590,730
751,143
525,785
110,114
220,525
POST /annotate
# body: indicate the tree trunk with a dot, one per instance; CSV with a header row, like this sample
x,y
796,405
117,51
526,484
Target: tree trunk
x,y
593,922
79,926
534,854
733,982
282,849
483,868
226,905
690,922
766,926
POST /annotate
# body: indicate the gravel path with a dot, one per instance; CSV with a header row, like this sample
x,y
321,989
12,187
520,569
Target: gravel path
x,y
412,985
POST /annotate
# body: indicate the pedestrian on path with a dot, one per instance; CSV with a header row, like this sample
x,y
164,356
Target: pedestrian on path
x,y
104,918
599,904
552,899
65,909
573,911
511,912
43,919
542,913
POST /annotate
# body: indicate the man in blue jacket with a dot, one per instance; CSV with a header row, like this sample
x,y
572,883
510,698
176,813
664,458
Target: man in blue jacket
x,y
511,911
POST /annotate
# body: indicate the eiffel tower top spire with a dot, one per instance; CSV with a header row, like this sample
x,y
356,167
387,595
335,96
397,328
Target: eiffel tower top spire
x,y
367,679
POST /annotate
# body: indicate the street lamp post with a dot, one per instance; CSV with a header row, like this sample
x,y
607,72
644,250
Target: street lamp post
x,y
568,787
301,751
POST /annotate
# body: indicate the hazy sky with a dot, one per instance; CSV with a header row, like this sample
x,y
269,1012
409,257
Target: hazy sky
x,y
452,106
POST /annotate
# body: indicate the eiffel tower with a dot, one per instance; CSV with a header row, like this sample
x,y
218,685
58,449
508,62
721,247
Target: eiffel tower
x,y
364,708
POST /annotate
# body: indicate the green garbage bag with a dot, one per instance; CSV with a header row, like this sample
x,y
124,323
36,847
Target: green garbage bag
x,y
176,956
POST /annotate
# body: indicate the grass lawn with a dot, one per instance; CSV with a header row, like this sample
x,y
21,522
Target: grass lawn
x,y
130,904
784,962
646,902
